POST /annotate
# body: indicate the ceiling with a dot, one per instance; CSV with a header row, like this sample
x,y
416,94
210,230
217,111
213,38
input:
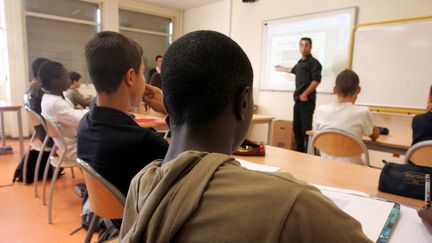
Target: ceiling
x,y
178,4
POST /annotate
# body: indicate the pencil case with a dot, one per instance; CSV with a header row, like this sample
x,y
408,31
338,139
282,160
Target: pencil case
x,y
251,148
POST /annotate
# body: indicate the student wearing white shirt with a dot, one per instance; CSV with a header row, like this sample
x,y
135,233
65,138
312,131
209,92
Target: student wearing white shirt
x,y
55,81
344,114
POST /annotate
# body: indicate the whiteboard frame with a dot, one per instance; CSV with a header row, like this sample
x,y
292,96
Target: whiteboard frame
x,y
391,109
264,50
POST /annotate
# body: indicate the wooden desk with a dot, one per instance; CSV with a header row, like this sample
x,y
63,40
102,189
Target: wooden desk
x,y
262,119
158,125
396,142
4,106
317,170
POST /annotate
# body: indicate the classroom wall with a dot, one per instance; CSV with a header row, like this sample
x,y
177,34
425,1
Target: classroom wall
x,y
214,16
246,20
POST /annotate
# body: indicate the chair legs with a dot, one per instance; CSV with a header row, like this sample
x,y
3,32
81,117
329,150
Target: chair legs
x,y
73,174
25,164
36,173
92,228
45,175
51,193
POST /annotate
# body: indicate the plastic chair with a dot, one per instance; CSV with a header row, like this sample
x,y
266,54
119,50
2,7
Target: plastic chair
x,y
36,120
420,153
58,162
339,143
106,201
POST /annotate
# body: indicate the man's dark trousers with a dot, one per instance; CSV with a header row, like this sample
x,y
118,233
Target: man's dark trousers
x,y
303,115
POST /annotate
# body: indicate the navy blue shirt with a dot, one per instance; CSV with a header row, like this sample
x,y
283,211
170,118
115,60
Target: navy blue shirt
x,y
116,146
422,127
306,70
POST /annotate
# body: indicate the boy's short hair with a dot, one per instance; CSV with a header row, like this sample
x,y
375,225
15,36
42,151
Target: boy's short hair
x,y
347,83
74,76
36,65
109,55
306,39
202,73
430,91
157,57
48,72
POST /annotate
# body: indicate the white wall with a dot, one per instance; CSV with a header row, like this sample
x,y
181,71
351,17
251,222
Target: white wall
x,y
246,22
214,16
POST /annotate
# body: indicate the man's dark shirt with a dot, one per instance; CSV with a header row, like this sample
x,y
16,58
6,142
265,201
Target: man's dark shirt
x,y
306,70
116,146
422,127
33,97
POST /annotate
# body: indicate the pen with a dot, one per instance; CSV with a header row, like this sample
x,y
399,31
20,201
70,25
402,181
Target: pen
x,y
427,191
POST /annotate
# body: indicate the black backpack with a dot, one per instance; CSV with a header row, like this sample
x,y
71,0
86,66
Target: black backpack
x,y
31,166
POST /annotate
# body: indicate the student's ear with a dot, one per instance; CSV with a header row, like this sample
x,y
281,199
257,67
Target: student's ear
x,y
242,103
334,90
358,89
129,77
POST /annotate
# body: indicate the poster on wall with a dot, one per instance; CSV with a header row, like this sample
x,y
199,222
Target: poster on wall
x,y
330,33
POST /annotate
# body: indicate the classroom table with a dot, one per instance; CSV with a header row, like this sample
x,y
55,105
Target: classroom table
x,y
159,124
396,142
321,171
5,106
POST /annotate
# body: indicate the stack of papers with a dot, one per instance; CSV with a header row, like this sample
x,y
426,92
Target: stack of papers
x,y
257,167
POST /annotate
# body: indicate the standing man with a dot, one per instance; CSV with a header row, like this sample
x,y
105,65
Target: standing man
x,y
308,76
157,69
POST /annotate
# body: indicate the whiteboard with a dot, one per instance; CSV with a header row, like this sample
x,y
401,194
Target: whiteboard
x,y
330,33
393,62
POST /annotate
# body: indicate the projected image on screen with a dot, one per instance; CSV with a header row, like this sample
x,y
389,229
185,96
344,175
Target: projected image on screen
x,y
330,33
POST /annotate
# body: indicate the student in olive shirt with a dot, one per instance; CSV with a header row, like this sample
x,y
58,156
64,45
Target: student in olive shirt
x,y
199,192
308,76
108,138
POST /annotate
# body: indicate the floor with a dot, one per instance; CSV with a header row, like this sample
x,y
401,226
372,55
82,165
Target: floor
x,y
23,218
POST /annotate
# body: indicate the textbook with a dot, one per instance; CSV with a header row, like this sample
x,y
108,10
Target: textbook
x,y
382,221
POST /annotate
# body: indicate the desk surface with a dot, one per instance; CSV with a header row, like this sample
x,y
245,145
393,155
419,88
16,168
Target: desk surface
x,y
6,106
255,119
261,118
395,139
317,170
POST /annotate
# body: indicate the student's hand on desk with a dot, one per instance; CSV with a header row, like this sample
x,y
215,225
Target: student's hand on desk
x,y
303,97
153,97
425,215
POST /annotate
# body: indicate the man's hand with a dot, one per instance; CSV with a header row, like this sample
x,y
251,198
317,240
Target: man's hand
x,y
280,68
153,97
303,97
79,107
425,215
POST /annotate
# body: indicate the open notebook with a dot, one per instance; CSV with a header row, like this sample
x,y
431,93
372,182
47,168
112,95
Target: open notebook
x,y
382,221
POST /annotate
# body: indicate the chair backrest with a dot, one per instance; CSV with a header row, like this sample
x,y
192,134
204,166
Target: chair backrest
x,y
420,153
340,143
54,131
106,200
35,119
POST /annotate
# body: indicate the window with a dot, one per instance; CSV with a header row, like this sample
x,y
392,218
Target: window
x,y
153,33
59,30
